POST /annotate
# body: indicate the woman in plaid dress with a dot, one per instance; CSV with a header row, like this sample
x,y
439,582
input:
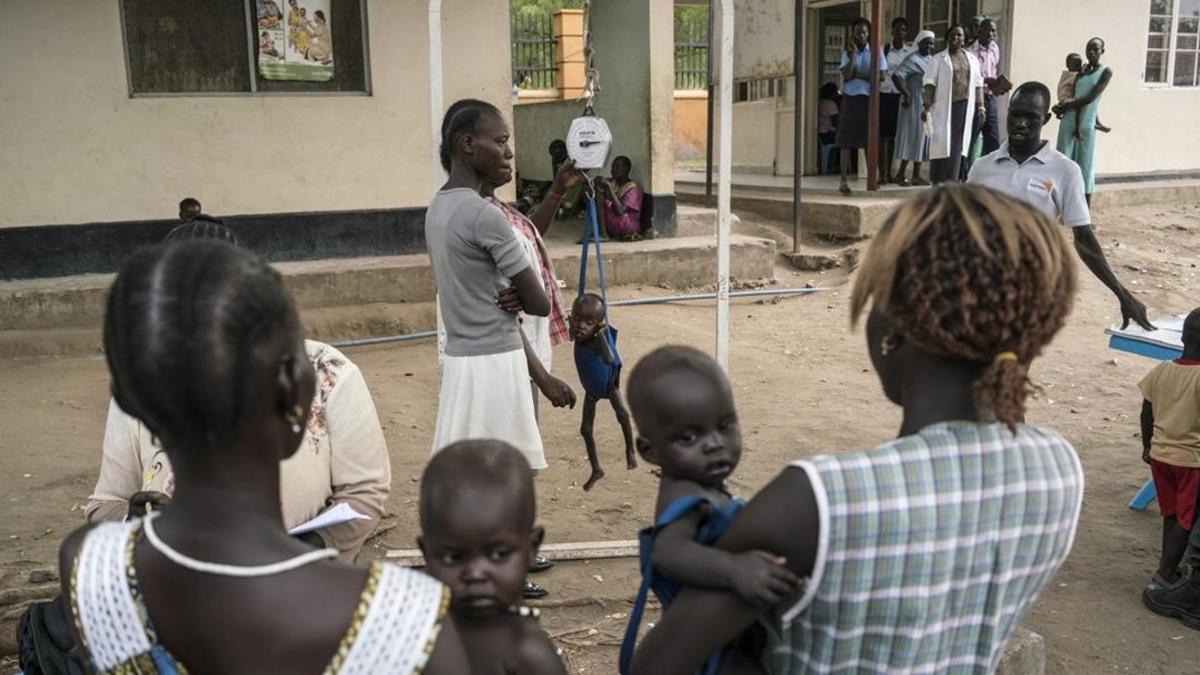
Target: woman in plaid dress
x,y
923,553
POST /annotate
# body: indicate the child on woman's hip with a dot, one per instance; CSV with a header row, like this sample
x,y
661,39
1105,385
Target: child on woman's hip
x,y
688,427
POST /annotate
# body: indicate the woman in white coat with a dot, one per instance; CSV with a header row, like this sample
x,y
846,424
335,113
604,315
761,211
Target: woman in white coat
x,y
953,86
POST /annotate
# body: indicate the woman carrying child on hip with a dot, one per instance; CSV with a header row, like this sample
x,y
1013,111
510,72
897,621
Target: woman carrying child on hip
x,y
965,287
1081,117
1066,92
476,255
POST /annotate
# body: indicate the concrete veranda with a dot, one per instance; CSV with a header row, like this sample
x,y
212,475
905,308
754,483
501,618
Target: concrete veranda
x,y
828,212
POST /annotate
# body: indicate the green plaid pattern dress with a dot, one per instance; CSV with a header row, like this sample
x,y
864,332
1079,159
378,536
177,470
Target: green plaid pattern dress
x,y
932,548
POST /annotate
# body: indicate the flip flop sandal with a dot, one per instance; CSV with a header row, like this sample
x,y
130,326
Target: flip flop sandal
x,y
540,564
532,591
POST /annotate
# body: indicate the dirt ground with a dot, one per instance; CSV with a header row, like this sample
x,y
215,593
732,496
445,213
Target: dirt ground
x,y
803,387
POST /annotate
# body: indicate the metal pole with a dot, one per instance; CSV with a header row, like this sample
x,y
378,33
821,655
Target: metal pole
x,y
708,131
435,92
435,119
657,300
873,115
798,126
769,292
723,187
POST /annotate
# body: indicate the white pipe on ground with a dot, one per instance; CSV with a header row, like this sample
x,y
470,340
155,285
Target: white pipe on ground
x,y
436,177
725,170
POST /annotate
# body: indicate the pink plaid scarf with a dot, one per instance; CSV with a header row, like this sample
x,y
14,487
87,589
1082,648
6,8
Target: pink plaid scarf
x,y
525,227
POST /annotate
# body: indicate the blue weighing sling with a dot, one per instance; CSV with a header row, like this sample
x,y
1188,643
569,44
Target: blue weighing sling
x,y
711,528
596,376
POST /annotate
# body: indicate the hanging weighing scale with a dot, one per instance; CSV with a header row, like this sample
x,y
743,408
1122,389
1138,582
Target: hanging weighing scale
x,y
588,141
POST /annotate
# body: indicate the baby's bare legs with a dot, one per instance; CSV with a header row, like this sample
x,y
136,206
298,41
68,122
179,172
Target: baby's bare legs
x,y
589,441
618,406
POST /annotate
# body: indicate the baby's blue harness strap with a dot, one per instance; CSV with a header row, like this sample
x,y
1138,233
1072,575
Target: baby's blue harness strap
x,y
592,233
595,375
674,511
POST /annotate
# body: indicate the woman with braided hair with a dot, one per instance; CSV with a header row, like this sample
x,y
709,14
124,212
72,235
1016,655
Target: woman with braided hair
x,y
204,347
344,458
923,553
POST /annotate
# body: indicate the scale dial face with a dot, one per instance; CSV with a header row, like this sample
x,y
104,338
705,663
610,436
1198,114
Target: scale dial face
x,y
588,142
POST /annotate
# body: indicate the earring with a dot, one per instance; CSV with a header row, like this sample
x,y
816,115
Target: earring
x,y
293,417
887,345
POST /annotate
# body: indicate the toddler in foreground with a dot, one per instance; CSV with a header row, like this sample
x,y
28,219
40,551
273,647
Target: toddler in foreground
x,y
688,427
478,537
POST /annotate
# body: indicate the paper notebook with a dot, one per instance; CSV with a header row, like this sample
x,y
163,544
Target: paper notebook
x,y
341,513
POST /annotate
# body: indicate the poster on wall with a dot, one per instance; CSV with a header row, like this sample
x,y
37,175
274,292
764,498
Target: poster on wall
x,y
294,40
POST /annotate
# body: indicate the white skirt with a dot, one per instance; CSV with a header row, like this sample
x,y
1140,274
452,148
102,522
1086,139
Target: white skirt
x,y
487,397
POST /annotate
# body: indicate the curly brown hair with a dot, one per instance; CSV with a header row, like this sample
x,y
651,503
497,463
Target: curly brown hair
x,y
965,272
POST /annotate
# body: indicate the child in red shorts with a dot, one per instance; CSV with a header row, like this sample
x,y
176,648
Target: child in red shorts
x,y
1171,446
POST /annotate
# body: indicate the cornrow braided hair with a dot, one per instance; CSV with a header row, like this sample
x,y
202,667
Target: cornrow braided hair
x,y
182,332
460,120
203,228
965,272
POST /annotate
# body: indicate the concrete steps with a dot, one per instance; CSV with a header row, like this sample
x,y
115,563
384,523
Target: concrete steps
x,y
1140,193
364,297
828,212
824,212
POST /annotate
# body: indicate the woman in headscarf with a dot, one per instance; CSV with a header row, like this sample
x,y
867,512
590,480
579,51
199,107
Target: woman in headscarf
x,y
912,145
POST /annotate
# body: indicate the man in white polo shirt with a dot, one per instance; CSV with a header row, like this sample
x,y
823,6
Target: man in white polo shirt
x,y
1031,170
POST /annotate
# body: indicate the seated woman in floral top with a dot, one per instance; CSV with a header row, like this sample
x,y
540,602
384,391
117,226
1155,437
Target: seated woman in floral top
x,y
204,348
342,459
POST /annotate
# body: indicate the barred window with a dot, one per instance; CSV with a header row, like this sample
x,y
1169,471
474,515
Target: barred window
x,y
1173,44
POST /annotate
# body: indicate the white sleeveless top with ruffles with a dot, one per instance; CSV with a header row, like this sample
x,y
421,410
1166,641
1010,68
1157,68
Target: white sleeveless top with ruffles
x,y
393,630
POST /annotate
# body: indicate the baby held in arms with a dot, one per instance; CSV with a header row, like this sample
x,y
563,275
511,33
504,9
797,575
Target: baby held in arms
x,y
688,427
478,537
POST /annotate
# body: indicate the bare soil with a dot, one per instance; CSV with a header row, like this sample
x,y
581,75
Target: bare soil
x,y
803,387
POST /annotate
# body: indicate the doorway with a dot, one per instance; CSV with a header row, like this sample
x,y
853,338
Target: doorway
x,y
833,31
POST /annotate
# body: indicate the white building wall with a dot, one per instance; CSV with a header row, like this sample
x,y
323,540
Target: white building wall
x,y
763,36
1154,129
77,148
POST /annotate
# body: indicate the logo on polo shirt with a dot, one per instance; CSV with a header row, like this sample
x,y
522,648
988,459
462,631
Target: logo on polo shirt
x,y
1041,185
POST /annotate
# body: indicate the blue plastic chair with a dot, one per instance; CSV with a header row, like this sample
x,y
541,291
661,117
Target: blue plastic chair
x,y
826,152
1144,497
